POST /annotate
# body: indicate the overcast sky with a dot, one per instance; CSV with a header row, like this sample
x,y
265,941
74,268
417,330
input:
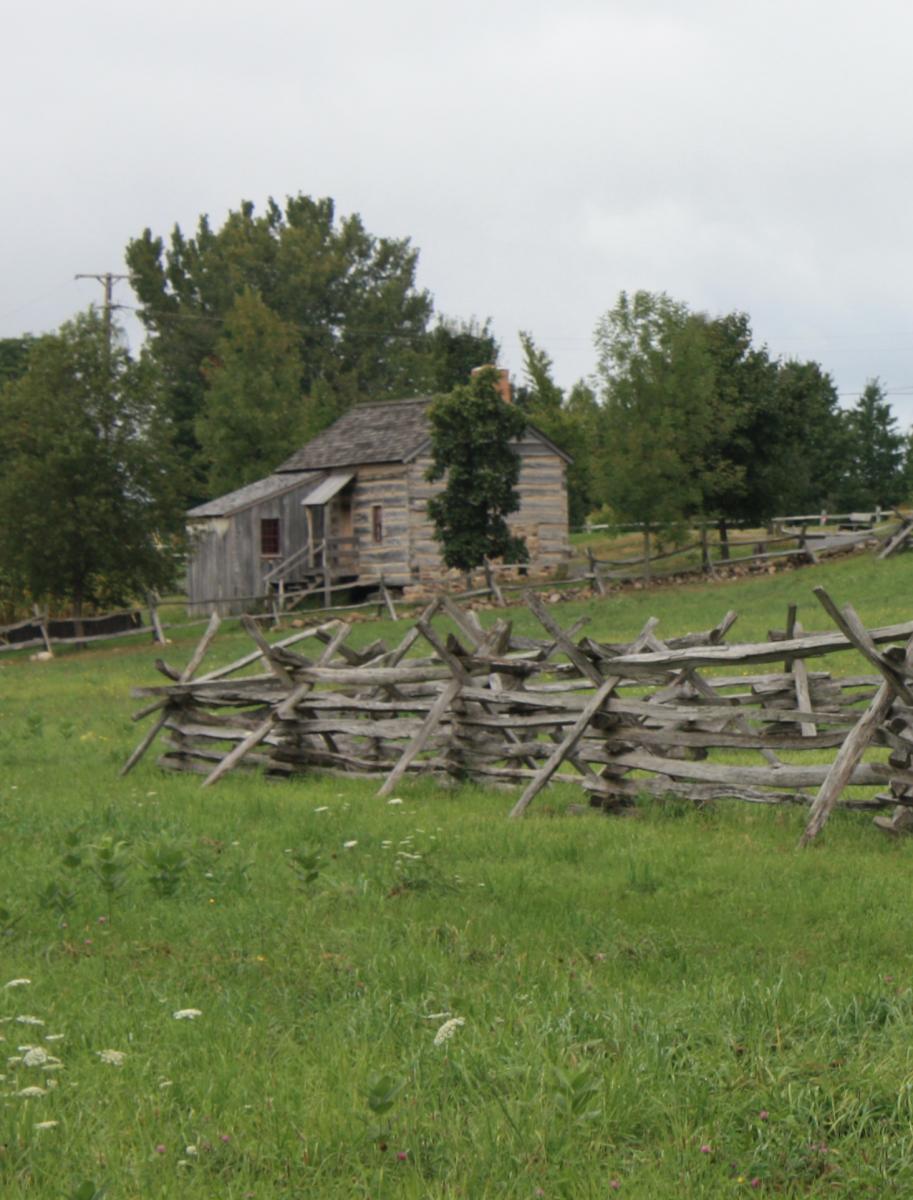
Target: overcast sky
x,y
542,156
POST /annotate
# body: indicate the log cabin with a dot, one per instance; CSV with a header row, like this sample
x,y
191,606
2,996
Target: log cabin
x,y
351,507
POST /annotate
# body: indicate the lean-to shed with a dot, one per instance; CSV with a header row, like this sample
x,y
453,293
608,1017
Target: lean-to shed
x,y
351,505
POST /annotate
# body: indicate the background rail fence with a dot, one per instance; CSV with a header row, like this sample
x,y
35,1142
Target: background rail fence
x,y
691,716
492,581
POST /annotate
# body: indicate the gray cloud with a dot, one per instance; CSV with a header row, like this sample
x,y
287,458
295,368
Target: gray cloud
x,y
542,156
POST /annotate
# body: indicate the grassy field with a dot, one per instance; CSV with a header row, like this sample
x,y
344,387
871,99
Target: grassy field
x,y
417,998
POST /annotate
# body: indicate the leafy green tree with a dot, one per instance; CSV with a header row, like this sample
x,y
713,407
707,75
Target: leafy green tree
x,y
471,432
805,458
569,422
876,452
665,429
253,413
360,321
454,349
88,495
14,356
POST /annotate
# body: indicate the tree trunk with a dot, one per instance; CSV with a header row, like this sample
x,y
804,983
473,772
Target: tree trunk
x,y
724,539
706,564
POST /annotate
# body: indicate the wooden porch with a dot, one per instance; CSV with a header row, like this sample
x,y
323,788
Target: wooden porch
x,y
320,566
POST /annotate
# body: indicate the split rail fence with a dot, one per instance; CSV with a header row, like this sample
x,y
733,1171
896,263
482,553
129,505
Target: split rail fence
x,y
690,716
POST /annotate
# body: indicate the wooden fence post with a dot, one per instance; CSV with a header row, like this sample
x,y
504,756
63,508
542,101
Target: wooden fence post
x,y
158,634
492,583
594,572
42,619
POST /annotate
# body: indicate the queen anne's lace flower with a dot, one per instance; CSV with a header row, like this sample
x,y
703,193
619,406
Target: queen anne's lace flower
x,y
114,1058
35,1057
17,983
187,1014
27,1019
29,1093
46,1124
447,1030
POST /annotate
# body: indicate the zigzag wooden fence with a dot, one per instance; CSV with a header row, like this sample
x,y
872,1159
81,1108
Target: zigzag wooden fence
x,y
690,716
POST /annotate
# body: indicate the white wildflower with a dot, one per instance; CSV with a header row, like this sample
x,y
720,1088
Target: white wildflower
x,y
187,1014
406,854
26,1019
114,1058
55,1065
29,1093
323,808
54,1037
436,1016
163,1083
395,800
35,1057
190,1151
447,1030
17,983
349,845
46,1124
14,1060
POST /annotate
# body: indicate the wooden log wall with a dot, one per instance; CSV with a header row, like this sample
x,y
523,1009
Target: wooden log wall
x,y
695,716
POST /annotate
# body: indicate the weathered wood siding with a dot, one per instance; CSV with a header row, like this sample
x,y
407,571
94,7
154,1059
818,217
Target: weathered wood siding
x,y
225,568
387,485
541,519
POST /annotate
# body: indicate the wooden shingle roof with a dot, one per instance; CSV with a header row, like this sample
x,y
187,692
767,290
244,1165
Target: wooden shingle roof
x,y
395,431
368,433
252,493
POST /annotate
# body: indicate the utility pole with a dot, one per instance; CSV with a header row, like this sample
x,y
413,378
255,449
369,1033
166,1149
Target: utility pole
x,y
107,280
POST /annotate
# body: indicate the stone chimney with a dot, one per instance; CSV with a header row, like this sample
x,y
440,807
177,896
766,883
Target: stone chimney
x,y
503,383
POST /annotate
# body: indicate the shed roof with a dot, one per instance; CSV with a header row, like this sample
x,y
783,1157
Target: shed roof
x,y
367,433
254,493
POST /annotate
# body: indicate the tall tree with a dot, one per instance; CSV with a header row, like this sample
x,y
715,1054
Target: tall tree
x,y
361,321
471,432
88,503
253,412
806,461
665,426
453,349
14,357
875,463
565,421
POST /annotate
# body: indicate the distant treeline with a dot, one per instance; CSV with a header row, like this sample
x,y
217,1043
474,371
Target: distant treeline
x,y
261,332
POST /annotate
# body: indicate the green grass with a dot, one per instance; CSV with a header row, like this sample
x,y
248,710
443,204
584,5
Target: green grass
x,y
633,989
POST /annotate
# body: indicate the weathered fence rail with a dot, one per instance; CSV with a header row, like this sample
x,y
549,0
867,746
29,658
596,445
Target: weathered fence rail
x,y
694,716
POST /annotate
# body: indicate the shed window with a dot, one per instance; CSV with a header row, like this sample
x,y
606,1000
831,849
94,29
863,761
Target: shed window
x,y
377,523
269,537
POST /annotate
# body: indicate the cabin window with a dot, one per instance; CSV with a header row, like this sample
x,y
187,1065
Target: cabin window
x,y
377,523
269,537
